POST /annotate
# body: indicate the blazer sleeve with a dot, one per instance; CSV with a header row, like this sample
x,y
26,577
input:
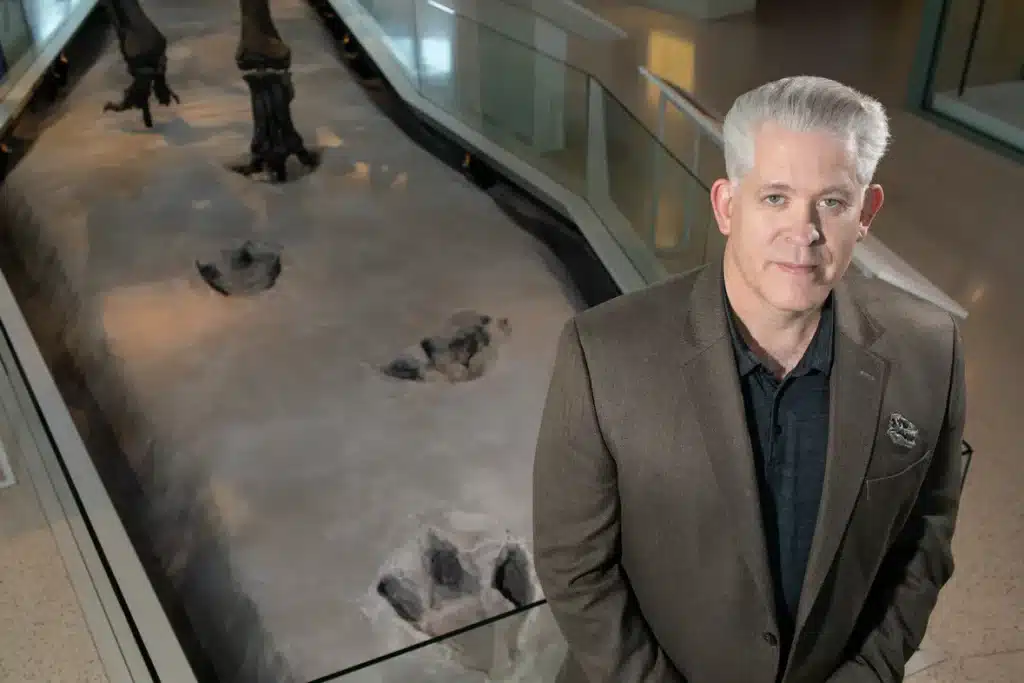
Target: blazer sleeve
x,y
576,534
894,620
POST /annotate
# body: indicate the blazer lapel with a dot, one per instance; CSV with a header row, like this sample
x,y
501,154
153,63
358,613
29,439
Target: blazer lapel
x,y
714,388
856,391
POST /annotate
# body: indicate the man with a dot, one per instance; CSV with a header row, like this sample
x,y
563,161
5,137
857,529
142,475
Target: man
x,y
750,473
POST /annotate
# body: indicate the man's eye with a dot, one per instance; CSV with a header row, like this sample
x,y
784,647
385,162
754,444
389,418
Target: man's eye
x,y
774,199
833,203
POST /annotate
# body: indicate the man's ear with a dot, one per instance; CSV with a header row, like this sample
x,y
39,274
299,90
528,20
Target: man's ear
x,y
722,192
874,197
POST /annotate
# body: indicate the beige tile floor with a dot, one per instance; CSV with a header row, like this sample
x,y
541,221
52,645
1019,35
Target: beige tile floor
x,y
39,611
954,211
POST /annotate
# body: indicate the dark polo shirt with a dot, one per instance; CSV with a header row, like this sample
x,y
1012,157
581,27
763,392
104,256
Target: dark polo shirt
x,y
788,423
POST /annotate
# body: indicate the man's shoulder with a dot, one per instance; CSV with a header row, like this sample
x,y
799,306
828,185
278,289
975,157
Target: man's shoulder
x,y
898,310
637,311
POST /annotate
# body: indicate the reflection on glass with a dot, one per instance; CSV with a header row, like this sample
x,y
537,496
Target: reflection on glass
x,y
15,35
672,58
397,20
444,8
662,199
562,122
979,71
435,57
681,134
529,103
44,16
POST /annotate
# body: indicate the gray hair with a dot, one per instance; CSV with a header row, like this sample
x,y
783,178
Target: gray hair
x,y
805,104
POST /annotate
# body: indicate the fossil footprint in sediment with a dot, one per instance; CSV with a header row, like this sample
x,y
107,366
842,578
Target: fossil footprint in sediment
x,y
251,268
455,586
463,350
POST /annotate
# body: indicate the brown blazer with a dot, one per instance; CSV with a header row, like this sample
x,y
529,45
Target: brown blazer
x,y
648,536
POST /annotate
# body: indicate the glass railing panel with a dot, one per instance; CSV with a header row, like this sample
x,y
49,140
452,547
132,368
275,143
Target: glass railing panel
x,y
32,36
630,165
505,80
397,20
529,103
438,45
523,647
694,137
512,21
687,130
709,168
677,131
16,36
664,201
44,16
711,164
682,215
978,76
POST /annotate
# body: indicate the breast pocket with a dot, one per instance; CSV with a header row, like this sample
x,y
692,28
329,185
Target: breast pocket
x,y
902,454
889,499
887,466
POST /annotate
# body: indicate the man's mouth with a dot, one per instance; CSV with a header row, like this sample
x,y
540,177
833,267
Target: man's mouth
x,y
796,268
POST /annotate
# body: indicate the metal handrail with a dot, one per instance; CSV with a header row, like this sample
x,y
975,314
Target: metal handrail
x,y
708,123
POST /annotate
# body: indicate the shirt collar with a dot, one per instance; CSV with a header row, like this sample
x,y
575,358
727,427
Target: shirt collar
x,y
817,358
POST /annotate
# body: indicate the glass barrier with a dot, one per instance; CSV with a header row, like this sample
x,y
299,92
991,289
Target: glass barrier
x,y
695,136
537,110
522,647
397,21
663,200
16,36
32,35
502,77
977,71
27,26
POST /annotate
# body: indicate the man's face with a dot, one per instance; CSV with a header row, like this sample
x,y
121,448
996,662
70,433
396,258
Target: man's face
x,y
793,220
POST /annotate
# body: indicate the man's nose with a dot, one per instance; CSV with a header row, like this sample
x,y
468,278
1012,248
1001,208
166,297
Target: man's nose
x,y
804,234
806,226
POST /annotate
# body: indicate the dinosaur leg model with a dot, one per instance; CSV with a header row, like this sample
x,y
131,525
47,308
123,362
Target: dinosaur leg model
x,y
265,60
144,50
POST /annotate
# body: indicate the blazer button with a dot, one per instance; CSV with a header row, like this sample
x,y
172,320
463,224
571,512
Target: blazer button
x,y
770,638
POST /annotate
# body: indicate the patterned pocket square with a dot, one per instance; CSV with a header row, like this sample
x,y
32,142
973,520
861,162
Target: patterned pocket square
x,y
902,431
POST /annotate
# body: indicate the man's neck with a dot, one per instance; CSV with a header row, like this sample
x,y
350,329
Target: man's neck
x,y
780,338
